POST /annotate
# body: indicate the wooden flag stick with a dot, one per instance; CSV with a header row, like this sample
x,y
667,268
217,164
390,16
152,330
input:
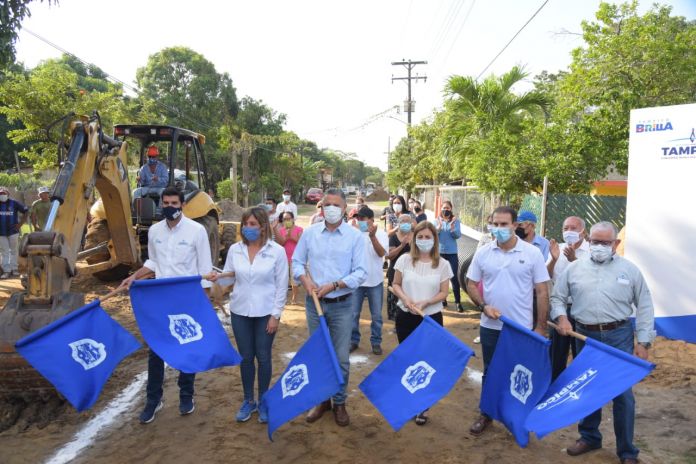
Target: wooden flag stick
x,y
113,293
571,333
418,311
220,275
317,304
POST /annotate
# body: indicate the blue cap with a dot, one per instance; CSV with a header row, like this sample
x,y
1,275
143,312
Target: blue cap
x,y
526,216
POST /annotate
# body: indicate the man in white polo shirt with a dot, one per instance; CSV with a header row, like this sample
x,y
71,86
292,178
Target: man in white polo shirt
x,y
561,255
511,271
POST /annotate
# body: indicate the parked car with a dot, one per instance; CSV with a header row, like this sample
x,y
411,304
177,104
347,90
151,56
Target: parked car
x,y
314,195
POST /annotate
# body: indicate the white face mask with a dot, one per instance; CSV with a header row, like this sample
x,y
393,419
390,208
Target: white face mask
x,y
4,197
286,197
333,214
425,245
397,207
601,253
571,237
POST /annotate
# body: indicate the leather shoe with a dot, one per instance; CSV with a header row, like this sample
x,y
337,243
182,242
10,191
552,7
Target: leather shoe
x,y
317,411
480,425
581,447
341,415
629,461
353,347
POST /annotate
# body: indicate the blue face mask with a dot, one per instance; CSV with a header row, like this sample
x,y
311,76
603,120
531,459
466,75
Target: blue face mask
x,y
152,161
502,234
268,207
405,228
363,226
251,233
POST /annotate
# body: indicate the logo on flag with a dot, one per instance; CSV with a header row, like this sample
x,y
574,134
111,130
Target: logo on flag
x,y
521,383
570,392
185,328
88,353
417,376
294,380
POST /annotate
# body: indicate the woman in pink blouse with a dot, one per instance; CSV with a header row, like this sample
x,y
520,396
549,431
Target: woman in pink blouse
x,y
288,235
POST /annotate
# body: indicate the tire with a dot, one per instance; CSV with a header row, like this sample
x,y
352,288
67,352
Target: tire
x,y
228,238
211,228
463,269
98,232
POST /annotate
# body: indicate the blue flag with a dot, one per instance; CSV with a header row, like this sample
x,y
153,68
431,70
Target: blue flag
x,y
518,377
417,374
598,374
312,376
78,352
179,323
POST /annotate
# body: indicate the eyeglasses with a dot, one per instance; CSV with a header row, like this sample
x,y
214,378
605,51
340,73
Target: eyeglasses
x,y
601,242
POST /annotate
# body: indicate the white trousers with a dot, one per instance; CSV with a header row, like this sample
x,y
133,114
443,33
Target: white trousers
x,y
8,250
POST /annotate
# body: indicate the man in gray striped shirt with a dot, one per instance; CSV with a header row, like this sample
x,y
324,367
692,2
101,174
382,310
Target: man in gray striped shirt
x,y
604,288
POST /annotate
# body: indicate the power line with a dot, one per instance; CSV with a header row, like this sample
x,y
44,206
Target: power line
x,y
511,40
461,28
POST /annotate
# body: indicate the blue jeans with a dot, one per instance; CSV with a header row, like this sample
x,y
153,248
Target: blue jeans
x,y
453,260
155,380
624,405
253,342
489,340
339,319
375,297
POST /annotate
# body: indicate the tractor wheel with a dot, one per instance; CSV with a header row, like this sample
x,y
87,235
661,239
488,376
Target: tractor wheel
x,y
228,238
211,228
97,233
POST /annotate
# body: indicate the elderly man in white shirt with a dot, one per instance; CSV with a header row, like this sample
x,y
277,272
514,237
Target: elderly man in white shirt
x,y
561,255
286,205
177,246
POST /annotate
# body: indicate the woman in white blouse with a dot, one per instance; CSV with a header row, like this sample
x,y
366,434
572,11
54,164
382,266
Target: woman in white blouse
x,y
260,269
421,282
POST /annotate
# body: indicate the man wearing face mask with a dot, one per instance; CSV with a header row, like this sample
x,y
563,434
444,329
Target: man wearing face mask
x,y
387,211
12,216
330,261
604,289
526,230
153,173
177,246
286,205
511,270
376,246
574,247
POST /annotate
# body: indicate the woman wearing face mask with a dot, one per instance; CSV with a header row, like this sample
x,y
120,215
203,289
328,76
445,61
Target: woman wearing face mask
x,y
399,244
260,268
399,207
288,235
449,231
421,282
418,211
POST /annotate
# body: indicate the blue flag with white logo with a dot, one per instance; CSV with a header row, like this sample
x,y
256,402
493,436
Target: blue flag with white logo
x,y
597,375
417,374
312,376
78,352
518,376
179,323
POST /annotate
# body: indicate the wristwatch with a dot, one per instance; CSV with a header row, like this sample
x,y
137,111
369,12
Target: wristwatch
x,y
335,285
481,306
645,345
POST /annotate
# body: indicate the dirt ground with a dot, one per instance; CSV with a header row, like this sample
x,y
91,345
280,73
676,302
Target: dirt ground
x,y
665,413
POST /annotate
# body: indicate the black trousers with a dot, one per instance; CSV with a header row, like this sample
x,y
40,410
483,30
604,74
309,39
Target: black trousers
x,y
560,347
407,322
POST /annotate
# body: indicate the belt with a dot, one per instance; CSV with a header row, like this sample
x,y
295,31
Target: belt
x,y
337,299
601,327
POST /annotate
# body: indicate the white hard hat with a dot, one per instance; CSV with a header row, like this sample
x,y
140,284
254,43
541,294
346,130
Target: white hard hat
x,y
43,190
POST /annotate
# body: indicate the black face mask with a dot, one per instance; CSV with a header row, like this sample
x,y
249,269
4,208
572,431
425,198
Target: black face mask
x,y
172,213
417,210
446,213
520,232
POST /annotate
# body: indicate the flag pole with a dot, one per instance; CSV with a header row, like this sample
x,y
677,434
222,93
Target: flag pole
x,y
113,293
317,304
418,311
572,333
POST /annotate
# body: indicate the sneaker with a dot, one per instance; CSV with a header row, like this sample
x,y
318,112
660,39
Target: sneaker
x,y
353,347
460,308
477,340
148,414
376,349
247,409
263,413
5,275
186,406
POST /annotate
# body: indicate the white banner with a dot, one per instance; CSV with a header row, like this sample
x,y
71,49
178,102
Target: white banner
x,y
661,213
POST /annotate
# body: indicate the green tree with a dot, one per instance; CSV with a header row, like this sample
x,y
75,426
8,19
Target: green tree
x,y
12,13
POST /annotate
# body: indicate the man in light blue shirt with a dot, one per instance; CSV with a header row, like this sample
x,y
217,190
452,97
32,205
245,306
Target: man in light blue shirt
x,y
154,173
330,261
526,230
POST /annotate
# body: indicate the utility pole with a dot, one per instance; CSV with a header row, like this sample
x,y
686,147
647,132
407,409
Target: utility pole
x,y
233,172
409,106
247,148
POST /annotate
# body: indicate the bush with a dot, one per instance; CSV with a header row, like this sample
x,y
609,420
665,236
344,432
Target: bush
x,y
20,182
224,189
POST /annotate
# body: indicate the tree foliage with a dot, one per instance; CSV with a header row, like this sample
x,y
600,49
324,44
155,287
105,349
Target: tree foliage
x,y
12,13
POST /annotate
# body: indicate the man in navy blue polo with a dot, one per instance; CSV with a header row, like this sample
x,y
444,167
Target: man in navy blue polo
x,y
10,223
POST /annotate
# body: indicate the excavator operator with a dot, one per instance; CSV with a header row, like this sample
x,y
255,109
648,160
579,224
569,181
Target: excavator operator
x,y
154,173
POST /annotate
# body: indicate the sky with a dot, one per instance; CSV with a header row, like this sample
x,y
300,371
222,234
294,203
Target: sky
x,y
326,64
